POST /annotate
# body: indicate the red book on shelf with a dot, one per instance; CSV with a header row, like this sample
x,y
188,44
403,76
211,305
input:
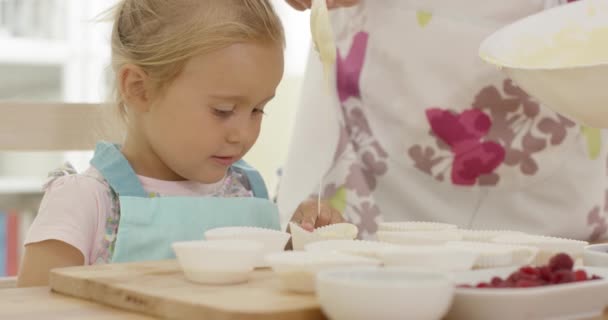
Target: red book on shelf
x,y
12,243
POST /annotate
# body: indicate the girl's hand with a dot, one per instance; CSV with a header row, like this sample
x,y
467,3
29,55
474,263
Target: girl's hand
x,y
309,217
331,4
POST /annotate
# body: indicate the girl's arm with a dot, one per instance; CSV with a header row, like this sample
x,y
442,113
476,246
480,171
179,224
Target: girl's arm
x,y
68,228
41,257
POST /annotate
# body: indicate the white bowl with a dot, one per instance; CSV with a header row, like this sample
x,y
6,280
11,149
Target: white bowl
x,y
384,293
273,240
493,255
547,246
364,248
339,231
217,262
297,269
484,235
419,237
578,300
596,255
438,258
572,87
415,226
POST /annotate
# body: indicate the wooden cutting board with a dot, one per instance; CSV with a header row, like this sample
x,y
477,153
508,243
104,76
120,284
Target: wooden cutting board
x,y
160,289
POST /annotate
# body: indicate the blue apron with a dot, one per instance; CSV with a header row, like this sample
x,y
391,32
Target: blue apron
x,y
148,225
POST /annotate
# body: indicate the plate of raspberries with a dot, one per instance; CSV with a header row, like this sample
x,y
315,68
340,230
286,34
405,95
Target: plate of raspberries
x,y
558,290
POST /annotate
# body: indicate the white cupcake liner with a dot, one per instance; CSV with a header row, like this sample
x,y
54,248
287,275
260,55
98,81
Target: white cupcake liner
x,y
297,269
340,231
232,232
485,235
415,226
363,248
492,255
438,258
217,262
273,240
419,237
547,246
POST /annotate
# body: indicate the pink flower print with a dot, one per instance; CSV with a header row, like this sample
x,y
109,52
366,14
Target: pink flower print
x,y
556,129
599,224
372,168
358,122
505,125
368,212
349,68
457,128
531,108
424,158
473,159
463,133
362,176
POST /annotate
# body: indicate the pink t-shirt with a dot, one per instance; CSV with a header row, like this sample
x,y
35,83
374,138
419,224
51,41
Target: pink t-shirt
x,y
78,209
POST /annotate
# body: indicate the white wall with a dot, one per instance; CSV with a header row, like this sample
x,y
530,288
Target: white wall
x,y
271,149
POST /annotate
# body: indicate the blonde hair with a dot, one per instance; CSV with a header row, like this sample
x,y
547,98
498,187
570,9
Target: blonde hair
x,y
160,36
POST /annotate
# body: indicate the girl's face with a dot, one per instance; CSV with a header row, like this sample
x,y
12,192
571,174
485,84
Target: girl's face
x,y
210,115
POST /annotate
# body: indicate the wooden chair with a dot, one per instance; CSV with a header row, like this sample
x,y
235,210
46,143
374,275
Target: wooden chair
x,y
56,127
49,127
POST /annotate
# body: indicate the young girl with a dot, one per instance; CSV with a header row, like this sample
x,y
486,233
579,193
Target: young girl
x,y
193,79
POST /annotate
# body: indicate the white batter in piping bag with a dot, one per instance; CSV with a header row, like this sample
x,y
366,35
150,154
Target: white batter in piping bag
x,y
323,37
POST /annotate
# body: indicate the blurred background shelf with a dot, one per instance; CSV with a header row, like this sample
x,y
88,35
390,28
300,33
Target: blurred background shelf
x,y
20,185
27,51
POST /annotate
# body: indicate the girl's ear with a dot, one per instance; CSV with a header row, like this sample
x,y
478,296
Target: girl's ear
x,y
133,86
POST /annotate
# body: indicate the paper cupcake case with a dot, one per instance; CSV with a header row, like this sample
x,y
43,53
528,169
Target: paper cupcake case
x,y
497,255
485,235
272,240
547,246
217,262
297,269
415,226
363,248
419,237
437,258
340,231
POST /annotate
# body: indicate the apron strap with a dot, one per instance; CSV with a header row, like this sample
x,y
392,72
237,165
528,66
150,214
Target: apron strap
x,y
115,168
256,182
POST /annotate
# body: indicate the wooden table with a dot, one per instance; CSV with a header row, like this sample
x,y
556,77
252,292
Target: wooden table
x,y
41,303
155,288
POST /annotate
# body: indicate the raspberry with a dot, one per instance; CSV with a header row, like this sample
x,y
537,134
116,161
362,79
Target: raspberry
x,y
529,273
496,282
523,283
514,277
561,261
580,275
545,273
559,270
562,276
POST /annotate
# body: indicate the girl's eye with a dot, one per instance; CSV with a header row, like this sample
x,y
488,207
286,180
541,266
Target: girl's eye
x,y
259,111
223,113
